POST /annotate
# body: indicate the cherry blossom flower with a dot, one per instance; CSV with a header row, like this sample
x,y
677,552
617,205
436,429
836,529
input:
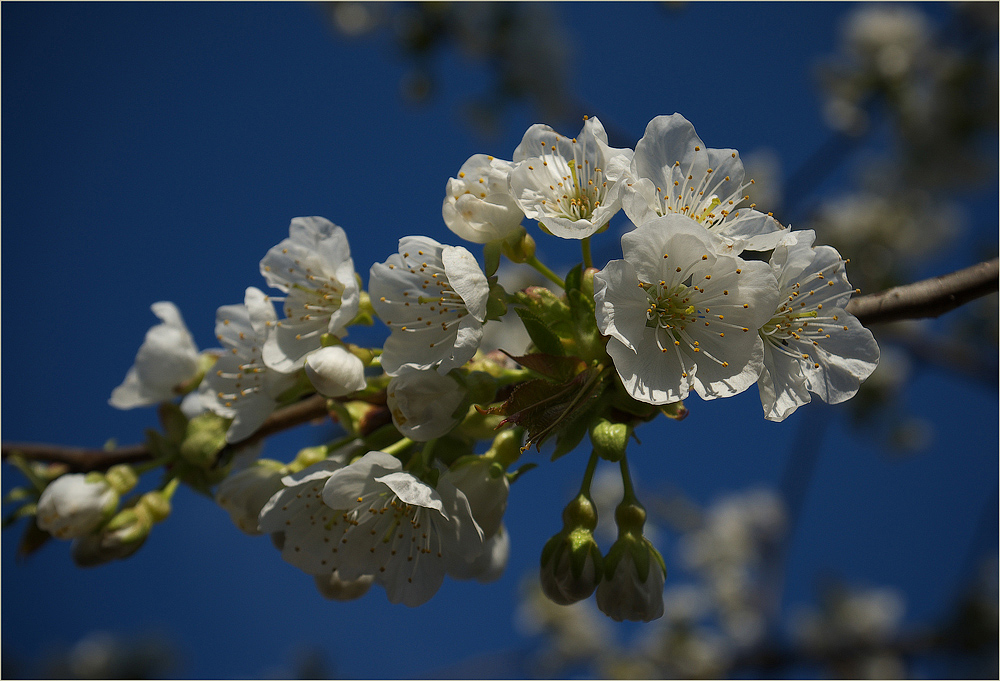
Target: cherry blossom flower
x,y
682,313
400,529
433,298
564,182
244,493
423,404
310,530
478,206
489,565
673,172
484,483
811,345
240,386
75,504
315,270
166,358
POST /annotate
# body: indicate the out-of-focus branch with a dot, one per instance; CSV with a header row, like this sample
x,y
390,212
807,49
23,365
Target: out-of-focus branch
x,y
928,298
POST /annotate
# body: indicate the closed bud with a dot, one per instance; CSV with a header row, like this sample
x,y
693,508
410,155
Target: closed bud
x,y
609,439
519,246
633,581
243,494
480,387
74,505
121,477
571,561
156,504
634,570
204,439
506,447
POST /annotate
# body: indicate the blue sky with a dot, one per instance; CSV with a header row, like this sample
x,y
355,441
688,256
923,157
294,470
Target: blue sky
x,y
156,151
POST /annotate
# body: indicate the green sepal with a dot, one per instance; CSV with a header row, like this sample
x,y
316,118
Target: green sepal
x,y
18,494
541,335
496,302
491,256
573,278
675,410
24,511
173,421
302,387
518,245
33,539
204,438
366,313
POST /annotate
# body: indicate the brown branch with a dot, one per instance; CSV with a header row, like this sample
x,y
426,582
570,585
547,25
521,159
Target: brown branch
x,y
82,460
77,459
928,298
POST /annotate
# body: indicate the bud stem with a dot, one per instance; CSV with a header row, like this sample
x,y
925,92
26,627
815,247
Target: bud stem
x,y
546,272
588,261
588,476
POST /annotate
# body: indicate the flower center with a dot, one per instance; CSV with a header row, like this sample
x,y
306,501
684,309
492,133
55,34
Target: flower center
x,y
577,188
688,197
799,325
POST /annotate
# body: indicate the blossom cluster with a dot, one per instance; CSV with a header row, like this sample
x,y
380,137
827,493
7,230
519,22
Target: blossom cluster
x,y
711,295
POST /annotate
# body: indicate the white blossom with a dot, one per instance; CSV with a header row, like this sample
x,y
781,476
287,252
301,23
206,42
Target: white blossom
x,y
309,530
335,372
682,313
166,358
433,298
673,172
315,270
489,565
567,183
74,505
484,483
811,345
240,386
400,529
423,404
478,206
336,589
244,493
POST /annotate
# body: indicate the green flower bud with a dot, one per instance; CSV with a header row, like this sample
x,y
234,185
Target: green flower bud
x,y
571,561
519,246
480,387
204,438
634,570
609,439
121,477
156,504
506,447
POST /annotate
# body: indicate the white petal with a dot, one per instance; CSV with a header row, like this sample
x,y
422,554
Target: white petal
x,y
412,491
334,371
